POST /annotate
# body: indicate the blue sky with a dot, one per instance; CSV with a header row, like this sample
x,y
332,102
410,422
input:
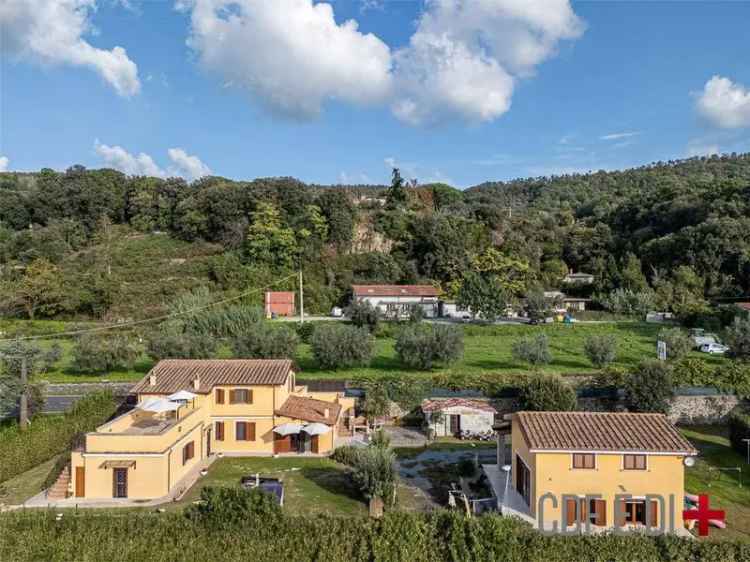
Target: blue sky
x,y
450,90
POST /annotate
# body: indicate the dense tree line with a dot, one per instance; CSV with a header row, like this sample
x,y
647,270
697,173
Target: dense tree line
x,y
671,235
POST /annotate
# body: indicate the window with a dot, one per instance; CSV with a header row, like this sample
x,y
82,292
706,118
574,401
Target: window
x,y
634,462
188,452
241,396
583,460
245,431
220,431
219,395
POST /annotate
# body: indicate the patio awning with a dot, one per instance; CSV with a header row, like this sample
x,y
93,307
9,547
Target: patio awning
x,y
182,395
159,405
316,429
118,464
287,429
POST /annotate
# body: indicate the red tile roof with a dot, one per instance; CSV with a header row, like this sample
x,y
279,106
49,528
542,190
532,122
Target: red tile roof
x,y
309,409
443,403
172,375
395,291
601,431
743,305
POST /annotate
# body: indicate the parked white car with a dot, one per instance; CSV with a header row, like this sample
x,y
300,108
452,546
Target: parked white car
x,y
714,348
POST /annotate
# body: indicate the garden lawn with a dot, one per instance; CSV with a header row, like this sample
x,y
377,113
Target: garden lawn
x,y
487,349
20,488
311,485
722,487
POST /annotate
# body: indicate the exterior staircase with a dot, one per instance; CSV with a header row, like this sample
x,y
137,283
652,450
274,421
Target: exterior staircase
x,y
59,490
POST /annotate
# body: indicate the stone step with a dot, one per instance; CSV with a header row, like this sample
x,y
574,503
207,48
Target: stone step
x,y
59,490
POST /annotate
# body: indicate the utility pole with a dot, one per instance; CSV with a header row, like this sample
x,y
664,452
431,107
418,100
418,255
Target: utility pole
x,y
301,299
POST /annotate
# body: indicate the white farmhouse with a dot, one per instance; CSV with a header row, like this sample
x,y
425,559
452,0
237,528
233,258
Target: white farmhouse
x,y
397,301
450,416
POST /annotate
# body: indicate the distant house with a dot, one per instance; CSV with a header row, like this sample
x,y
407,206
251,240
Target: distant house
x,y
279,303
579,278
397,301
564,303
451,416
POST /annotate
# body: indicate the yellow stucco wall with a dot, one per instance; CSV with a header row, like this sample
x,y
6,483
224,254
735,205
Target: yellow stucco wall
x,y
553,473
263,435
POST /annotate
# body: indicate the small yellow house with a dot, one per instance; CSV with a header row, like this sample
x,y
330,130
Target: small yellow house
x,y
190,410
599,469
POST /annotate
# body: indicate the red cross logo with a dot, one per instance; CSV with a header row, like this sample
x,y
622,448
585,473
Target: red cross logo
x,y
703,514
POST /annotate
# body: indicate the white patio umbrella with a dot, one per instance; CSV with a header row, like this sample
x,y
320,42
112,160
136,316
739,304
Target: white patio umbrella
x,y
182,395
287,429
316,429
158,405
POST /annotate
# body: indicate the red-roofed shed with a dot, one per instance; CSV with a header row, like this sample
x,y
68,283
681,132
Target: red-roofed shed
x,y
280,303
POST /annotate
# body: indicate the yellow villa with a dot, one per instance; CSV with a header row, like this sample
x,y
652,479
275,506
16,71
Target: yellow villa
x,y
594,469
187,411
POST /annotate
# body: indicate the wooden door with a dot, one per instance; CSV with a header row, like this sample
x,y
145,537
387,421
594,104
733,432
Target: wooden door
x,y
571,509
455,424
120,482
80,481
282,444
600,509
315,445
654,513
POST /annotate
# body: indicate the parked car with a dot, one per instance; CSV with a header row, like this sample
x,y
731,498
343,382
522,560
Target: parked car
x,y
702,338
337,312
461,316
714,348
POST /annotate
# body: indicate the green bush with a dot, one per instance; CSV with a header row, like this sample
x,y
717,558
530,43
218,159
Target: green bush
x,y
338,346
374,473
533,350
363,315
693,371
262,341
166,345
601,350
345,454
305,331
679,343
738,339
93,353
48,436
421,346
467,467
221,507
547,393
649,388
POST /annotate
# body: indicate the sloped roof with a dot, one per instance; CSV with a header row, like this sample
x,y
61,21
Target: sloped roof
x,y
172,375
443,403
395,291
743,305
309,409
601,431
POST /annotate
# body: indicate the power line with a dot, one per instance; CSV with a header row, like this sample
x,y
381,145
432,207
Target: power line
x,y
147,320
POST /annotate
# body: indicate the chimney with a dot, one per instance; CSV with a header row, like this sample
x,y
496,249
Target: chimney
x,y
197,383
152,380
326,413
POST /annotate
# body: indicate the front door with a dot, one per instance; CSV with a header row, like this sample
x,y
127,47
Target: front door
x,y
455,424
315,446
282,444
120,482
523,480
80,481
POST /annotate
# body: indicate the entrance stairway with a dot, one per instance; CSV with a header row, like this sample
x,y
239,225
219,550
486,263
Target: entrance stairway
x,y
59,490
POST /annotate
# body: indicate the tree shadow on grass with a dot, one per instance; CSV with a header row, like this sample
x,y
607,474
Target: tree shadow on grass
x,y
337,482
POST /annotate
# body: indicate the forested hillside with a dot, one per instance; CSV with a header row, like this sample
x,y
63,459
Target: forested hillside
x,y
99,244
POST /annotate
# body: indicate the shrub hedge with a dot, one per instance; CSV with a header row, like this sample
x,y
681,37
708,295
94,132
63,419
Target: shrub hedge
x,y
739,428
398,536
48,436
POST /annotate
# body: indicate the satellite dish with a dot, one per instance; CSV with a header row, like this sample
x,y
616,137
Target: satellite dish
x,y
689,461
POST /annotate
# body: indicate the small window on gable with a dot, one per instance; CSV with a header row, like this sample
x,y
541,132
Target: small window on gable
x,y
584,460
241,396
219,395
634,462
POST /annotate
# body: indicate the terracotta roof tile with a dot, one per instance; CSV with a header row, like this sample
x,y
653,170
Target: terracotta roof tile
x,y
601,431
172,375
395,291
309,409
443,403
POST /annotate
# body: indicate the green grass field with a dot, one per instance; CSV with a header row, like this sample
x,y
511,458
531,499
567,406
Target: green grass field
x,y
722,486
487,349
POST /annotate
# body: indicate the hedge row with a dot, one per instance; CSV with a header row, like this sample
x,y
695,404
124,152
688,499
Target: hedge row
x,y
398,536
48,436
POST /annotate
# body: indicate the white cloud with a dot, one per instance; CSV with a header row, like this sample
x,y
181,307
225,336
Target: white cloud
x,y
141,164
4,163
133,165
618,136
289,54
724,103
698,148
187,166
346,178
390,162
51,32
465,57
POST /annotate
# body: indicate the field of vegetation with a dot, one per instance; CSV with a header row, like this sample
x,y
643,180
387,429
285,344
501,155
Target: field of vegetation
x,y
487,349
